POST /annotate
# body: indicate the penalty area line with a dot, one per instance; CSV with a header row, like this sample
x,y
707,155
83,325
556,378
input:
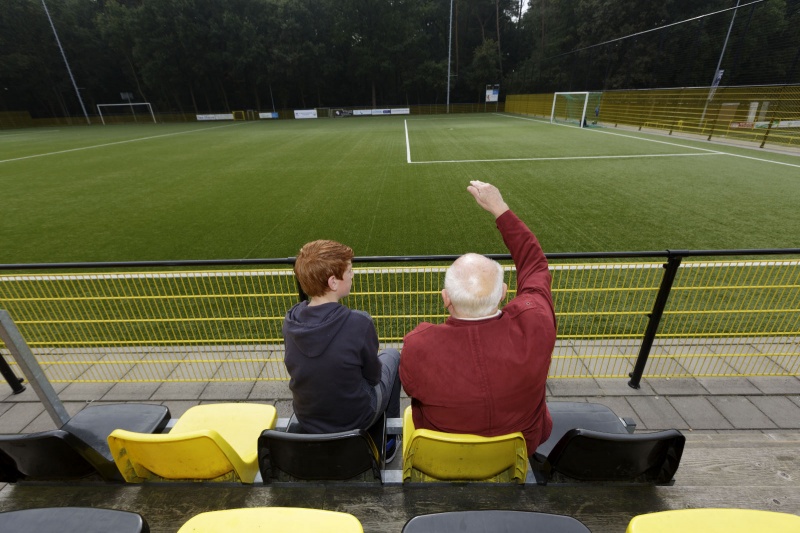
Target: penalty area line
x,y
569,158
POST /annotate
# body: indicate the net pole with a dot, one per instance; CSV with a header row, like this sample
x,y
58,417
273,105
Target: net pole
x,y
553,110
449,51
585,103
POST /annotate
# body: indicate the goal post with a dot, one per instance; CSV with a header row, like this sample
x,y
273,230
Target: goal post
x,y
129,112
572,107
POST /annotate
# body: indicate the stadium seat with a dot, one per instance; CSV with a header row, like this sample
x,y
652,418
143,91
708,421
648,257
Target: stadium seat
x,y
73,520
350,455
214,442
589,442
79,448
341,456
436,456
491,521
714,521
272,519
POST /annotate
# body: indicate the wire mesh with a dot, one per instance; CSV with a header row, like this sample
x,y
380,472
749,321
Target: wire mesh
x,y
723,318
761,115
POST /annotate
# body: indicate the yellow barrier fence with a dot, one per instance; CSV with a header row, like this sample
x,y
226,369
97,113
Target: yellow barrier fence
x,y
723,318
763,115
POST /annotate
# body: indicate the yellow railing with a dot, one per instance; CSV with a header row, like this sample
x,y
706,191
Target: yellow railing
x,y
723,318
765,115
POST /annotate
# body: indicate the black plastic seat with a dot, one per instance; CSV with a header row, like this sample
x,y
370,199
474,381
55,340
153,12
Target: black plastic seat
x,y
591,443
79,448
347,455
328,456
491,521
73,520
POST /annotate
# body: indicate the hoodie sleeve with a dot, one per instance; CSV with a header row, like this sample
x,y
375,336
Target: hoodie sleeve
x,y
370,364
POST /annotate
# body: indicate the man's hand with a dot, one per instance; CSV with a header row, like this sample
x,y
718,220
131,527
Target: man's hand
x,y
488,197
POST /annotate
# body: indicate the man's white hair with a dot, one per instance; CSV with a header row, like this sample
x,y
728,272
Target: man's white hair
x,y
474,284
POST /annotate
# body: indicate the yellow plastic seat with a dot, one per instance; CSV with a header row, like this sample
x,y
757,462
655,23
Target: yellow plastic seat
x,y
436,456
272,519
713,521
215,442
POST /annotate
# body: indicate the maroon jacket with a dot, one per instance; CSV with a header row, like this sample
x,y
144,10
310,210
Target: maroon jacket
x,y
488,377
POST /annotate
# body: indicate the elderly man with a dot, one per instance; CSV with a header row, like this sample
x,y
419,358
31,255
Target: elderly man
x,y
483,371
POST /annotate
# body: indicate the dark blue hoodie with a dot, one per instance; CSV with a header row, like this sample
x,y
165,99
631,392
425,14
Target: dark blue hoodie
x,y
332,359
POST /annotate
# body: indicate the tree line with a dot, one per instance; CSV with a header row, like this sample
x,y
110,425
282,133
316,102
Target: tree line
x,y
200,56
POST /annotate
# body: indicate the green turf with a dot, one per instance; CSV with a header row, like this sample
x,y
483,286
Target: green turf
x,y
262,189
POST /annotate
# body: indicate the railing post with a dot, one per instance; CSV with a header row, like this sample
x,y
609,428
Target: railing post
x,y
11,378
301,295
30,367
671,268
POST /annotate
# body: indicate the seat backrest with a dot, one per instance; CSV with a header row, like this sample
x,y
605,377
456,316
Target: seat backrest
x,y
328,456
489,521
41,456
80,447
73,520
571,415
274,519
196,455
435,456
588,455
714,521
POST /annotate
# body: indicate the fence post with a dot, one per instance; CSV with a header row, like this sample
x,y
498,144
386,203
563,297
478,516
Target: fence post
x,y
30,367
11,378
671,268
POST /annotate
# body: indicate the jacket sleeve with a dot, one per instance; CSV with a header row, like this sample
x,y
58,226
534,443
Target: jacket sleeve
x,y
371,365
532,268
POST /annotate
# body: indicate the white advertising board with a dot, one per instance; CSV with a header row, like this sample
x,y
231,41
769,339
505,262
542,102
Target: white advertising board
x,y
267,115
219,116
305,113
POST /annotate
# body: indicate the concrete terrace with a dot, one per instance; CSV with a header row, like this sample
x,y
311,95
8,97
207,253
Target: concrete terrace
x,y
743,450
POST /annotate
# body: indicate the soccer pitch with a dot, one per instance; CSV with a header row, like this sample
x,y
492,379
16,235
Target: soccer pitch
x,y
383,185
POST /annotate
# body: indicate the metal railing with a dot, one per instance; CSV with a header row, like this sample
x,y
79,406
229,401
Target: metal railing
x,y
620,315
761,115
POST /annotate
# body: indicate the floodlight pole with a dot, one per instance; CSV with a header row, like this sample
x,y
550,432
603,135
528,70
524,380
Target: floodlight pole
x,y
449,53
714,81
63,55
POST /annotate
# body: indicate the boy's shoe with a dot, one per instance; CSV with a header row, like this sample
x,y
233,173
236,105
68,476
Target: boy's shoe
x,y
393,444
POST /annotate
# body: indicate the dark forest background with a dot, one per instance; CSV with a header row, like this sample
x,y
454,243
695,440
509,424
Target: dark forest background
x,y
199,56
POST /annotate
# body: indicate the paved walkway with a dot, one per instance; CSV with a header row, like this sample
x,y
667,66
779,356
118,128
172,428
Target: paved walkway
x,y
718,405
728,423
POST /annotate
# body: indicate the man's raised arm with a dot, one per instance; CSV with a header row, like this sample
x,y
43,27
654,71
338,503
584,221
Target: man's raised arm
x,y
532,270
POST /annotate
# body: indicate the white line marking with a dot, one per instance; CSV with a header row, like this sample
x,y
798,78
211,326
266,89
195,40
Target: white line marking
x,y
657,141
408,144
762,160
115,143
570,158
617,134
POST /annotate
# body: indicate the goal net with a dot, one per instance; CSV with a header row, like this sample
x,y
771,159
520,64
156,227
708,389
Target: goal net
x,y
581,108
126,113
